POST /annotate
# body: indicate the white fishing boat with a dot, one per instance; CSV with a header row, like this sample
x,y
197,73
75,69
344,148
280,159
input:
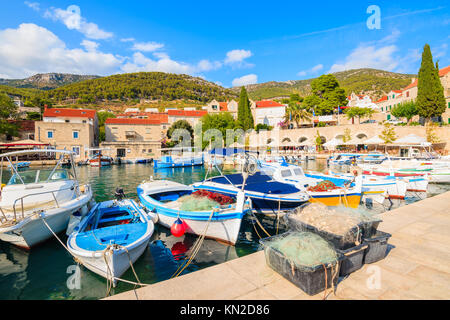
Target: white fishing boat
x,y
112,236
222,222
36,195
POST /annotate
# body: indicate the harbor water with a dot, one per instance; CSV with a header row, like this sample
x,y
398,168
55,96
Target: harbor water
x,y
49,271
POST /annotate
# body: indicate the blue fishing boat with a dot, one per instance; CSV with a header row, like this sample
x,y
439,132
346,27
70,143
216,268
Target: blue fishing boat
x,y
21,165
173,162
113,235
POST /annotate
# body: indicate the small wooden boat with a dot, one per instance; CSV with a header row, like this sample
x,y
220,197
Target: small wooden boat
x,y
112,235
100,161
222,222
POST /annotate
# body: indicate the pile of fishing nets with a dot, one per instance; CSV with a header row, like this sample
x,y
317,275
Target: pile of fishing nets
x,y
203,200
304,249
217,197
323,186
341,221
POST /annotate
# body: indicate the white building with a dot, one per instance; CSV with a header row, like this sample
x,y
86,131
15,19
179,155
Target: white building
x,y
361,101
268,112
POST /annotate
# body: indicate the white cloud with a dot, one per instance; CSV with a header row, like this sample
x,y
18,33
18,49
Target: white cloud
x,y
32,49
90,45
73,20
127,39
164,63
245,80
33,5
309,71
236,58
369,56
147,46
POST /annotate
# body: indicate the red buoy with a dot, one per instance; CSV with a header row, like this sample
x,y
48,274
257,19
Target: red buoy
x,y
178,228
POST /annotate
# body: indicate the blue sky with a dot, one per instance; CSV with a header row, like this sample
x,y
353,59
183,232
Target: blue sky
x,y
231,43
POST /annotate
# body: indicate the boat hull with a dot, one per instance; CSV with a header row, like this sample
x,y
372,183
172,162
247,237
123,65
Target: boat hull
x,y
335,199
32,231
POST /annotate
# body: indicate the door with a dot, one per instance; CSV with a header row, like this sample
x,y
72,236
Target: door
x,y
121,153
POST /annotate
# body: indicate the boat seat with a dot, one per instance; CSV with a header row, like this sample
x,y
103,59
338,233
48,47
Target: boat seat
x,y
116,219
117,238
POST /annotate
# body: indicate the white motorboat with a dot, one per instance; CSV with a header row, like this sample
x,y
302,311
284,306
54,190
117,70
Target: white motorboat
x,y
38,194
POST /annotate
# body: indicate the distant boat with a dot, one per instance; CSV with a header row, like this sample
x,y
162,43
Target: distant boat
x,y
21,165
173,162
112,235
100,161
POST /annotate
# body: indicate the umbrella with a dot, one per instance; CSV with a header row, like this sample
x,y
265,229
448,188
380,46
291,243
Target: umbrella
x,y
374,140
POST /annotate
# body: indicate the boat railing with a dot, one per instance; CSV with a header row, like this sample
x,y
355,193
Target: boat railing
x,y
5,218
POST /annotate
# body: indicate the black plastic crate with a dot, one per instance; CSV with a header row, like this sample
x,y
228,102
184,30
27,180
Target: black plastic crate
x,y
312,280
377,247
353,237
353,259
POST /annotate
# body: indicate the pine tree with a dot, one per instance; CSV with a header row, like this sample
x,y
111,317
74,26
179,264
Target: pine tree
x,y
430,97
245,117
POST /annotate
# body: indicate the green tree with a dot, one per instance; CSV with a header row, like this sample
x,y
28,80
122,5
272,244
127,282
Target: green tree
x,y
388,134
319,141
326,95
262,126
359,113
180,124
102,117
297,113
347,135
405,110
245,117
8,111
430,96
220,121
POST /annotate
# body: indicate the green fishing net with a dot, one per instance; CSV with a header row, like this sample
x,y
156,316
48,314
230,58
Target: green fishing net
x,y
195,203
336,220
304,249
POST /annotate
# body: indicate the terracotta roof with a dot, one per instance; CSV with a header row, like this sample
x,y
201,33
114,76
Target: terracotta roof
x,y
397,91
163,117
412,85
223,106
384,98
187,113
268,104
71,113
444,71
132,121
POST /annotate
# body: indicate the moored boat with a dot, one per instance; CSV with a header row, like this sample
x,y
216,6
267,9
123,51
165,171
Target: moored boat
x,y
215,220
31,197
114,234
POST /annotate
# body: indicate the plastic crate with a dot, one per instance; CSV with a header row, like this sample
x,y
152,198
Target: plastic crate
x,y
342,242
353,259
377,247
309,279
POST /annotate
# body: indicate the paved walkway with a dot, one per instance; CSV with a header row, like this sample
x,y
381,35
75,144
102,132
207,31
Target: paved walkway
x,y
417,267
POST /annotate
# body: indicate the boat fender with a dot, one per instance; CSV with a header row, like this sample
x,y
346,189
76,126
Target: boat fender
x,y
178,228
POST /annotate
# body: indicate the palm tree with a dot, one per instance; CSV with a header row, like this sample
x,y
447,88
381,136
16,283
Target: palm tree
x,y
297,113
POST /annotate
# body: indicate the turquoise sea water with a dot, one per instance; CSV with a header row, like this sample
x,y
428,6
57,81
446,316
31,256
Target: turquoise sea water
x,y
47,271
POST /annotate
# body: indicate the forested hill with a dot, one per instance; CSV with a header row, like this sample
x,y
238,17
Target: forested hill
x,y
374,82
143,85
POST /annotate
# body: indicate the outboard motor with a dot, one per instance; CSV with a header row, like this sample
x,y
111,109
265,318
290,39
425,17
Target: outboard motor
x,y
119,194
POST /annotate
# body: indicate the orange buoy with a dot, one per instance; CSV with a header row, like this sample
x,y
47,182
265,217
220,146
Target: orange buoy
x,y
178,228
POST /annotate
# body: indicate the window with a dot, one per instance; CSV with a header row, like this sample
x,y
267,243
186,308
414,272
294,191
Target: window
x,y
144,150
121,153
50,134
214,107
298,172
286,173
76,150
84,121
75,134
149,150
449,105
407,94
67,121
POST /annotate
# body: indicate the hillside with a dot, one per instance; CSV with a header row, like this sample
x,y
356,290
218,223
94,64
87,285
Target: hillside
x,y
46,81
374,82
153,86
